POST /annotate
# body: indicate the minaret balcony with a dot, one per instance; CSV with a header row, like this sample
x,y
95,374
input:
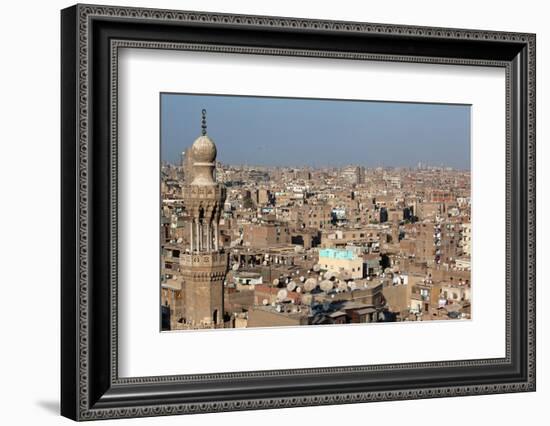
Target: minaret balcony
x,y
210,192
204,259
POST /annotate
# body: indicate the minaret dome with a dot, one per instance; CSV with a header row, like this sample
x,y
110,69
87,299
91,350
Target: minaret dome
x,y
203,153
204,150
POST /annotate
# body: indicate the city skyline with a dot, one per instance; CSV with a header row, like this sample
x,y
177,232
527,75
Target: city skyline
x,y
244,247
247,131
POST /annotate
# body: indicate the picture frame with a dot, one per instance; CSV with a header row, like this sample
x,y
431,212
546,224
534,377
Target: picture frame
x,y
90,384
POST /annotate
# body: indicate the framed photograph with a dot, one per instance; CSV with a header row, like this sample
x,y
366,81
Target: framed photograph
x,y
265,212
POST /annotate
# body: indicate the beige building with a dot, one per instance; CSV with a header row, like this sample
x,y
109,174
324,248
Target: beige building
x,y
263,196
265,235
261,316
466,238
353,174
398,298
340,238
339,260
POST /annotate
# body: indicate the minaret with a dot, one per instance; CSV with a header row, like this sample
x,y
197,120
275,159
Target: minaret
x,y
205,265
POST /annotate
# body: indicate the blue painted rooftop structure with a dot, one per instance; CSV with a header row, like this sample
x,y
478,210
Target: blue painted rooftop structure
x,y
337,254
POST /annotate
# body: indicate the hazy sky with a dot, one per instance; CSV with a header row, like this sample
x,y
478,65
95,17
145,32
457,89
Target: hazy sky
x,y
315,132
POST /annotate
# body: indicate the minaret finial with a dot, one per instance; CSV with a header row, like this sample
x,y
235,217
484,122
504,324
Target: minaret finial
x,y
203,122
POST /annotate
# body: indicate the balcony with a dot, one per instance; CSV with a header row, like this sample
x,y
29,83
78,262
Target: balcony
x,y
203,259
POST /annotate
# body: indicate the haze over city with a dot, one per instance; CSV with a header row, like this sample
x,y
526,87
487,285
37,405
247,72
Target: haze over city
x,y
318,133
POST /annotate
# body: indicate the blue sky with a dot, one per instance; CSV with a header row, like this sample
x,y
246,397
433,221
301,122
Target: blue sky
x,y
316,132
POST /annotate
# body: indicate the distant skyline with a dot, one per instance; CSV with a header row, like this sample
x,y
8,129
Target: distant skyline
x,y
317,133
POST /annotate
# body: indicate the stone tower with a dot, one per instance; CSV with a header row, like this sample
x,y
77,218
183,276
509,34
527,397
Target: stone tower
x,y
205,264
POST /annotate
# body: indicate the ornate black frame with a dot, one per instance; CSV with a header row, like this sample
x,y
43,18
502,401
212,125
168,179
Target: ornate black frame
x,y
90,386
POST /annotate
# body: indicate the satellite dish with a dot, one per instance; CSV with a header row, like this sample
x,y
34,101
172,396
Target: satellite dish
x,y
345,275
276,281
326,285
310,284
180,240
235,267
298,289
302,279
282,295
352,286
264,262
317,267
291,286
265,302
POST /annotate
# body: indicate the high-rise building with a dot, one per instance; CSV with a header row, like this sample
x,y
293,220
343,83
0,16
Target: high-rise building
x,y
354,174
204,264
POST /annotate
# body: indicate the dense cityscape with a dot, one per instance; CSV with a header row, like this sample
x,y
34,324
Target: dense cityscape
x,y
250,246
